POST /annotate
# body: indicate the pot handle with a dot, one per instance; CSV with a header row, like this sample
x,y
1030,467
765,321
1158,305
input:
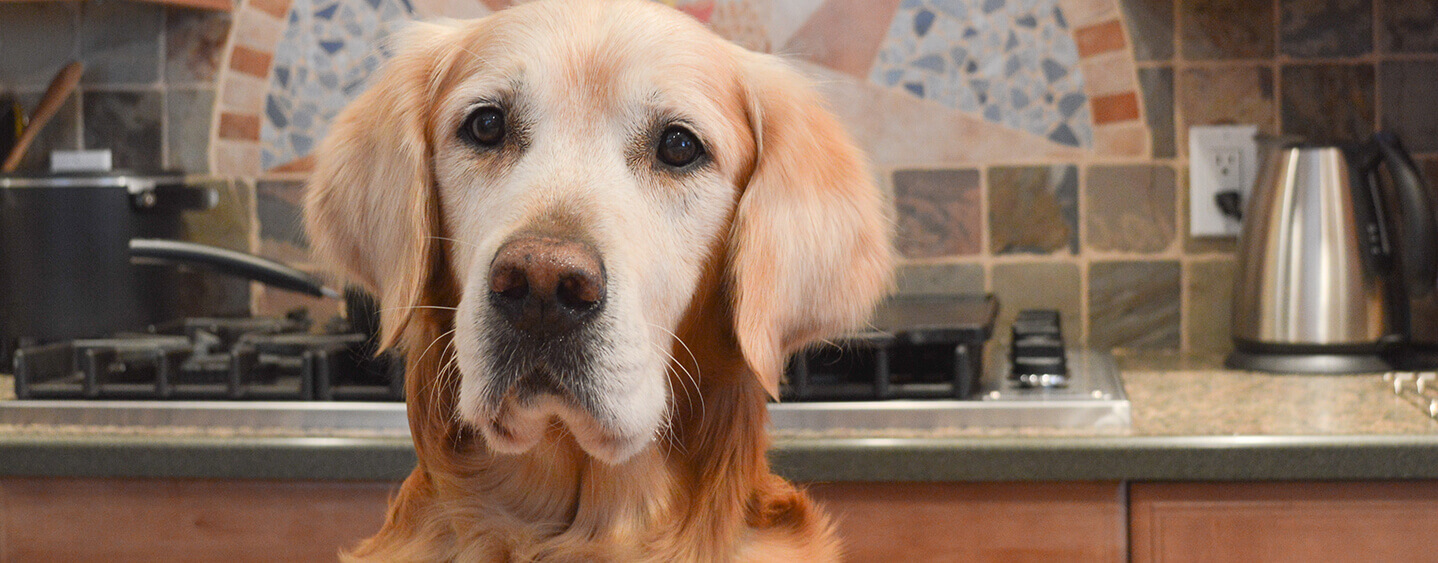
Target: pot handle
x,y
231,262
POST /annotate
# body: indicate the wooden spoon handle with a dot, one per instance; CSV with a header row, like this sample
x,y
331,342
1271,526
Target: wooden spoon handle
x,y
60,88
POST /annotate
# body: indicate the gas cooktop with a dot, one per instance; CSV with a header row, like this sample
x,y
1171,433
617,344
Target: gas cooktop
x,y
920,366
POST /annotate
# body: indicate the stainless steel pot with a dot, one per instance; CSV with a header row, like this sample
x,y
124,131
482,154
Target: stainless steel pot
x,y
89,255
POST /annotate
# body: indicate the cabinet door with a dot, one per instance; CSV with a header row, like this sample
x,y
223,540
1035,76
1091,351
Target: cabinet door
x,y
58,519
914,522
1328,521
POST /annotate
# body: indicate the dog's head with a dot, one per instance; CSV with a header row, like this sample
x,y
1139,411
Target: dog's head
x,y
578,165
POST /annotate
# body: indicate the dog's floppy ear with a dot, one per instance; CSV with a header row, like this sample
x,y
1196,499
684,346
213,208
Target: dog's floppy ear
x,y
369,207
810,250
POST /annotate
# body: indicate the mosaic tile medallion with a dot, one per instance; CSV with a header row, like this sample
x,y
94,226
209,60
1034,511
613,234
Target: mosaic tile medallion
x,y
323,61
1012,61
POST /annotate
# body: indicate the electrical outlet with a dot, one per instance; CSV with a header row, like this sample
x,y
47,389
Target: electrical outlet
x,y
1221,158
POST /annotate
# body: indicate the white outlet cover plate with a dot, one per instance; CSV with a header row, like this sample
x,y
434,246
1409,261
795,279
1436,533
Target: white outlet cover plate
x,y
1205,180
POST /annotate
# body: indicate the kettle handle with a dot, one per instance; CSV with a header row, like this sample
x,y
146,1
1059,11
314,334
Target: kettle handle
x,y
1419,229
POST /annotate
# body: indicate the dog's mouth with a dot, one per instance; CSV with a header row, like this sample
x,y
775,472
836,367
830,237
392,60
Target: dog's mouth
x,y
537,406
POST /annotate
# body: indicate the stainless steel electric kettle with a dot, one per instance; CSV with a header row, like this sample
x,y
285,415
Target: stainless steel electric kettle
x,y
1337,268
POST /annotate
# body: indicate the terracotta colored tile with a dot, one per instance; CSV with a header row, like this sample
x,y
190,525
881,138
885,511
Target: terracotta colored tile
x,y
939,212
1227,29
1033,209
940,279
1111,73
251,62
1150,27
1408,26
1134,305
1114,107
844,35
1043,285
1209,318
1130,208
1226,95
1328,103
1099,38
239,127
1326,28
276,8
1125,138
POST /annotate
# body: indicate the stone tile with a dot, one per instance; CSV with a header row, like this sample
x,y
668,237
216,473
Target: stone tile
x,y
281,224
194,45
1325,28
127,123
940,279
1328,103
1130,208
37,39
188,118
1157,85
844,34
1209,318
1039,285
61,134
272,302
939,212
1409,89
116,53
1150,27
1111,73
1033,209
1134,304
1408,26
1228,95
227,225
1226,29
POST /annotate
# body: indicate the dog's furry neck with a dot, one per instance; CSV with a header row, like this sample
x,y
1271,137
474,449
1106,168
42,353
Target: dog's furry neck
x,y
702,492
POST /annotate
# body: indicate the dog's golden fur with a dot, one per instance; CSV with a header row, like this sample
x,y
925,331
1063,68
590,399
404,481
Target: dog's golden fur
x,y
802,254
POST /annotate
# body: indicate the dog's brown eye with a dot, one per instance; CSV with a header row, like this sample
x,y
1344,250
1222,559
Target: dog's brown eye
x,y
678,147
485,127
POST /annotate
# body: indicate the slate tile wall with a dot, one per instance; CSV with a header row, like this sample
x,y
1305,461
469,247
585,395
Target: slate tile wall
x,y
149,82
1124,270
1102,239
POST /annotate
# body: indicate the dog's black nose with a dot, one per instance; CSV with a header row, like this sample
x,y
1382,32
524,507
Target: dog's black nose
x,y
546,286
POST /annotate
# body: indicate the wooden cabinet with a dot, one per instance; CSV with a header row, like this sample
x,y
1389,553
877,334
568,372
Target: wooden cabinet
x,y
916,522
60,519
57,519
1387,521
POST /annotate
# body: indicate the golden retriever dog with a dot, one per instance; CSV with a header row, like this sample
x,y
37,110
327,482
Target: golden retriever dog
x,y
596,230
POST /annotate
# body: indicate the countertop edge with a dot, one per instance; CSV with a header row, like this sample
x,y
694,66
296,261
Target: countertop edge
x,y
1098,458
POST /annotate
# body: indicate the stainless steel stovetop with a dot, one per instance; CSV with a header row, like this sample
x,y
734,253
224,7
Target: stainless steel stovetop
x,y
1093,400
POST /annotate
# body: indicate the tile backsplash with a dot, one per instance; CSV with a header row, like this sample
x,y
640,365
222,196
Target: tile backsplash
x,y
1036,149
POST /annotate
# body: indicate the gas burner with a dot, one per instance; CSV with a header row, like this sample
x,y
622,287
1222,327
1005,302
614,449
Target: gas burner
x,y
206,358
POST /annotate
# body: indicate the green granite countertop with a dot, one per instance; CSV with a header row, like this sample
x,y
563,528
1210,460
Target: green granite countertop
x,y
1191,421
